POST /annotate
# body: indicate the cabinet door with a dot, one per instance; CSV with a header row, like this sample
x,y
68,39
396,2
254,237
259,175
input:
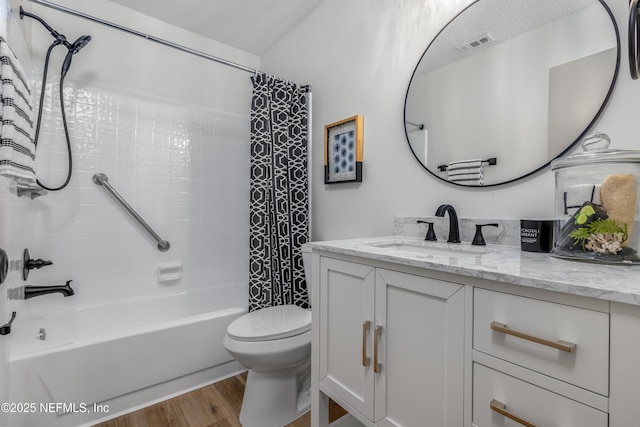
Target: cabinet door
x,y
346,302
421,352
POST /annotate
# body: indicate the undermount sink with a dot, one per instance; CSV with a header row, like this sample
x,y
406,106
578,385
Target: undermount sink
x,y
432,248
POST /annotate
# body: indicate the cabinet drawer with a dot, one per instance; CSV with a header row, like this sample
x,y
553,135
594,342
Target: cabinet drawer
x,y
538,325
532,404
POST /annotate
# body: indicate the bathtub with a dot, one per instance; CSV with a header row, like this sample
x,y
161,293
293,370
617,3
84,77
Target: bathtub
x,y
98,353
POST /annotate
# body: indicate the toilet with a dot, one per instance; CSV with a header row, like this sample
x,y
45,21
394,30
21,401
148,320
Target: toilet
x,y
274,343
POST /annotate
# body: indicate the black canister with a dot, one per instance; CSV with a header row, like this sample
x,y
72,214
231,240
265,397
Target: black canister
x,y
536,235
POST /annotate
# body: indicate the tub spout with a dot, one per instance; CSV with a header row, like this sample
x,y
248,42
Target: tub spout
x,y
32,291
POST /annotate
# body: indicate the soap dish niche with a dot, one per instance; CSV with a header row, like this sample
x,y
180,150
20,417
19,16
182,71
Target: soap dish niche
x,y
170,272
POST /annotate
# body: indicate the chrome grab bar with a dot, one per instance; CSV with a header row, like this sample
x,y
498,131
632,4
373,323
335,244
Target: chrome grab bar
x,y
102,179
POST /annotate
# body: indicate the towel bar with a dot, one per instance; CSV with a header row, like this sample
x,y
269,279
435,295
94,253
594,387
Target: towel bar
x,y
491,162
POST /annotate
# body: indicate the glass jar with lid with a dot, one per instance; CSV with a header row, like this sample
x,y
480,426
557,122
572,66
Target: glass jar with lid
x,y
596,203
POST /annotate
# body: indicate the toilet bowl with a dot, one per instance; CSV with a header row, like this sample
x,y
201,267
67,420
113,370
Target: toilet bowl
x,y
274,343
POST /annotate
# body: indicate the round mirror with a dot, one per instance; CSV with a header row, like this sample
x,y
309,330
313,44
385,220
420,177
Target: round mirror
x,y
509,85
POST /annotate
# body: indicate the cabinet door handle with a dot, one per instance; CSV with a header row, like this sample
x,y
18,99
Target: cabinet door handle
x,y
560,345
500,408
377,333
366,327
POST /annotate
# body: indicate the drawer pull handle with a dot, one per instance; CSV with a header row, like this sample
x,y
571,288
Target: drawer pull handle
x,y
366,326
377,333
500,408
560,345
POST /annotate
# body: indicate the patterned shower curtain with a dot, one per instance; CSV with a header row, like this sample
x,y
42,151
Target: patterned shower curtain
x,y
279,210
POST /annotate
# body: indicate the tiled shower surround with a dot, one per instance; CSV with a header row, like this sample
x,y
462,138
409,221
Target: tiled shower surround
x,y
183,168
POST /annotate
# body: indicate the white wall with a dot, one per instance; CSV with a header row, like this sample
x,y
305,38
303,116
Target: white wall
x,y
358,56
115,58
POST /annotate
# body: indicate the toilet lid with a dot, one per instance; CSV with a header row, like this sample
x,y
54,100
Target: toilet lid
x,y
271,323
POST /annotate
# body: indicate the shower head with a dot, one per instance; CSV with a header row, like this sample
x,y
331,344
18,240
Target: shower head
x,y
60,39
73,49
80,43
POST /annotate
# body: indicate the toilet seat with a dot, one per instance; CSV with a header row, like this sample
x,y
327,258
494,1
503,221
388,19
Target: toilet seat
x,y
272,323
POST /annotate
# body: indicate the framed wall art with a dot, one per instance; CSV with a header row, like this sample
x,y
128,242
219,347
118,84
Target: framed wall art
x,y
343,150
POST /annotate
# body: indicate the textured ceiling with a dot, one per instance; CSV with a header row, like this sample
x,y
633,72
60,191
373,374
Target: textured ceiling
x,y
502,20
250,25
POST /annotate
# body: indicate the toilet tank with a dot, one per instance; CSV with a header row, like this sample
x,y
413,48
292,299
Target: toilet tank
x,y
306,262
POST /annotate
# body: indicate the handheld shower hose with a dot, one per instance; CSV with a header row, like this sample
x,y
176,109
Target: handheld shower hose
x,y
74,48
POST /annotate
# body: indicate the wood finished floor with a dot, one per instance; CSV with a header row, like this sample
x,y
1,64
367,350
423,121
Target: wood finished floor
x,y
216,405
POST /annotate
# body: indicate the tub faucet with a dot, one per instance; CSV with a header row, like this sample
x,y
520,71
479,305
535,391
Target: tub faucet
x,y
454,231
29,264
32,291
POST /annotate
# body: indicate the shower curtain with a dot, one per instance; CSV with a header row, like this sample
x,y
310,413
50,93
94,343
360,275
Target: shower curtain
x,y
279,208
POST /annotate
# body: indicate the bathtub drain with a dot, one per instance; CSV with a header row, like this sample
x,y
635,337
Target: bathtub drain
x,y
42,334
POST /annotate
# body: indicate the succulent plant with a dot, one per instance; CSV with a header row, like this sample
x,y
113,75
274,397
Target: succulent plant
x,y
602,231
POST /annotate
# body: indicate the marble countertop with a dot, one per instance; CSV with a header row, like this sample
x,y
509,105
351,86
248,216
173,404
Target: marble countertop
x,y
620,283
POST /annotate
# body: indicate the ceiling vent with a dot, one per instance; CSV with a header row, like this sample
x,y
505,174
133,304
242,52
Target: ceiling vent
x,y
478,42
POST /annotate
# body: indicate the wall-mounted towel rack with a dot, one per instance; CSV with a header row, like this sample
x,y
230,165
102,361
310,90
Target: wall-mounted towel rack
x,y
103,180
491,162
418,125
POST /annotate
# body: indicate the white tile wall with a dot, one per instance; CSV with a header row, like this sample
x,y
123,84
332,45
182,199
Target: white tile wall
x,y
184,168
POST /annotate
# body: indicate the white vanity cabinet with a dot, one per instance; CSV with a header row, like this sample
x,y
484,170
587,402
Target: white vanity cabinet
x,y
399,341
391,344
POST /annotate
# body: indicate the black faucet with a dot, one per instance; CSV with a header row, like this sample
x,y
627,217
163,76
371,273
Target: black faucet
x,y
454,231
32,291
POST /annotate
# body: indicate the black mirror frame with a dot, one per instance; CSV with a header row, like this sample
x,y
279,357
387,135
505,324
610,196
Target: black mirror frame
x,y
634,54
569,147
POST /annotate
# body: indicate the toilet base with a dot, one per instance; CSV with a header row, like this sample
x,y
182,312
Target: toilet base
x,y
272,399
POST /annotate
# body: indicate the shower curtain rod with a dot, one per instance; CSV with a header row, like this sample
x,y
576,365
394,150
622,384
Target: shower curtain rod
x,y
143,35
